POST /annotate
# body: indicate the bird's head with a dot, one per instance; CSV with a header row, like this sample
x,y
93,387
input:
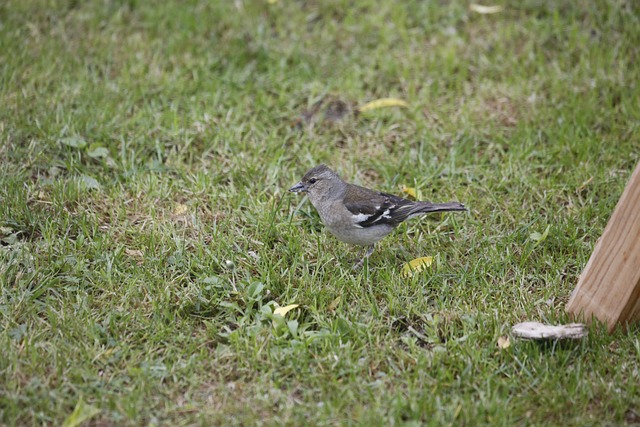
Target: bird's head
x,y
317,181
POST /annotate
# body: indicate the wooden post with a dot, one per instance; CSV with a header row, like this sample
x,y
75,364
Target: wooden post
x,y
609,287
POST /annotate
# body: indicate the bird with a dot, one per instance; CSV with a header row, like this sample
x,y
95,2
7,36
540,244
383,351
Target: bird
x,y
358,215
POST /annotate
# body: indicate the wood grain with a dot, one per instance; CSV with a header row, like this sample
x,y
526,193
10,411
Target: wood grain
x,y
609,287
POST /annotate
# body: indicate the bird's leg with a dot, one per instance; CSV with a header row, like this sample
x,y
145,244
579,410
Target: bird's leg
x,y
367,253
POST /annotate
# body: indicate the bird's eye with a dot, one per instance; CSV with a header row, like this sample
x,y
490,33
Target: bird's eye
x,y
313,180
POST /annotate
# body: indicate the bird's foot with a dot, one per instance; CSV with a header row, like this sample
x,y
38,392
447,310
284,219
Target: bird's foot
x,y
366,255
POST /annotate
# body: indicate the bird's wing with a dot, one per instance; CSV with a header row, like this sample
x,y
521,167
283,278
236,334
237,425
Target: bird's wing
x,y
375,208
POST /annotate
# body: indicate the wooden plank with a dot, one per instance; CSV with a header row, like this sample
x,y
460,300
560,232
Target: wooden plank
x,y
609,287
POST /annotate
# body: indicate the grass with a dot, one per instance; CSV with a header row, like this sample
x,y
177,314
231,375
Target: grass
x,y
147,235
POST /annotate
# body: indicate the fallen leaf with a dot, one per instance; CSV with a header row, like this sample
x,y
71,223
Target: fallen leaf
x,y
503,342
409,191
485,10
134,253
383,102
180,209
416,265
282,311
334,304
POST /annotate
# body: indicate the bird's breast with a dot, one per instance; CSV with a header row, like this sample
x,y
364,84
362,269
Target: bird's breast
x,y
364,236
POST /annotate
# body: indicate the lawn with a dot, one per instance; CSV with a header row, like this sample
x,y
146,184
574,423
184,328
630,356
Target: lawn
x,y
147,236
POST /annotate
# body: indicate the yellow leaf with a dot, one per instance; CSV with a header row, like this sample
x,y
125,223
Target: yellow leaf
x,y
409,191
416,265
383,102
284,310
180,209
503,342
484,10
272,1
334,303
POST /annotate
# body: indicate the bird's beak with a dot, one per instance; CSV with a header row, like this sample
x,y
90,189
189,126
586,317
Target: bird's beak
x,y
299,187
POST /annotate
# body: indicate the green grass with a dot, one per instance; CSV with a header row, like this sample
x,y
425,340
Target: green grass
x,y
147,234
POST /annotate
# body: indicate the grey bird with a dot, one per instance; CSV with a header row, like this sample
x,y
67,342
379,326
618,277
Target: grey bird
x,y
358,215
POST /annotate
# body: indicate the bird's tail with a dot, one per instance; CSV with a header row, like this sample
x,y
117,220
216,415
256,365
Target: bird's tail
x,y
421,208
